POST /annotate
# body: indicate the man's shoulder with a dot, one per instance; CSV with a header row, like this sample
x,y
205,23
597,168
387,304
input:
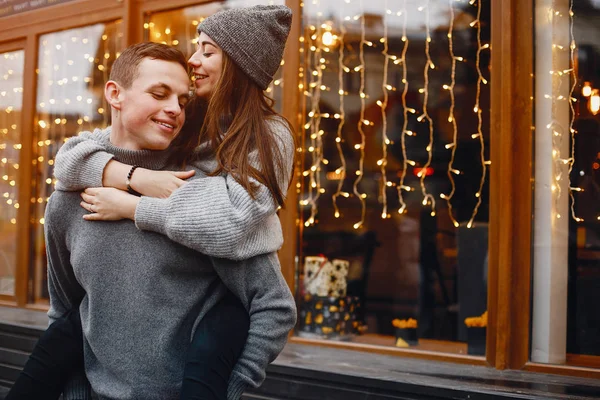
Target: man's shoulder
x,y
63,204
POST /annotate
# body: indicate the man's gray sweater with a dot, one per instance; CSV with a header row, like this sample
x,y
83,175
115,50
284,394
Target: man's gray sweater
x,y
140,296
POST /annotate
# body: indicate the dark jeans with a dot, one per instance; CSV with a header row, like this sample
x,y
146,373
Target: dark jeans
x,y
217,344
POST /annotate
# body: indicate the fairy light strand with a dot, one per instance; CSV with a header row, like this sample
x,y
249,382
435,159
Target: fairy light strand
x,y
405,111
11,89
341,171
383,105
555,126
477,109
361,147
313,125
427,197
451,117
572,100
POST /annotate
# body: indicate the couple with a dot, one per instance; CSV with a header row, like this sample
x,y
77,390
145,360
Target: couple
x,y
188,302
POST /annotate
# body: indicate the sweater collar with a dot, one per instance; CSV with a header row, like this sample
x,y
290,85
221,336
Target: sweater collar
x,y
151,159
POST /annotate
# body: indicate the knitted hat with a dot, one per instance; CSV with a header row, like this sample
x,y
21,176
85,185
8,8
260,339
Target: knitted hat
x,y
253,37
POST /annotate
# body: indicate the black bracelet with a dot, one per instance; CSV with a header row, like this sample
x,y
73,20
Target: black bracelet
x,y
128,181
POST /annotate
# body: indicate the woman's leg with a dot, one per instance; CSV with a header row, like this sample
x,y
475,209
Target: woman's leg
x,y
217,344
58,353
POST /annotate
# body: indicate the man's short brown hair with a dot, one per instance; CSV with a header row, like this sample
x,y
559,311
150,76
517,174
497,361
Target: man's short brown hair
x,y
125,68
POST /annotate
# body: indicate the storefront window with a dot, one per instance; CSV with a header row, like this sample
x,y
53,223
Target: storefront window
x,y
179,28
567,181
73,66
394,186
11,98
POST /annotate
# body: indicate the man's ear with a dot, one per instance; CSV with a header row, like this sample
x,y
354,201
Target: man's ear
x,y
113,92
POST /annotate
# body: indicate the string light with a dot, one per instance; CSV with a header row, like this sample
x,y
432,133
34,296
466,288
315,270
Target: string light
x,y
427,197
572,131
360,172
477,109
451,116
313,124
341,171
405,110
383,105
11,90
555,126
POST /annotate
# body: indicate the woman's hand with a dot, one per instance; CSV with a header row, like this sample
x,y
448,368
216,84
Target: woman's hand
x,y
158,184
108,204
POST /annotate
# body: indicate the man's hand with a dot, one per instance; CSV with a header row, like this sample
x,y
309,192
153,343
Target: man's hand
x,y
108,204
158,184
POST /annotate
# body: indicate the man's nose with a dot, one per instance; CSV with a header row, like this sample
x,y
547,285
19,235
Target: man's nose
x,y
173,108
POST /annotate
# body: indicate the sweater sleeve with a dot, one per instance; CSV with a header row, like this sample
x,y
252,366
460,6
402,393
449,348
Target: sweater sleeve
x,y
216,215
65,294
80,162
260,286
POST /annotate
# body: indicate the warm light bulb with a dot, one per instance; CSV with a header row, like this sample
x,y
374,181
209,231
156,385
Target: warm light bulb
x,y
586,91
595,102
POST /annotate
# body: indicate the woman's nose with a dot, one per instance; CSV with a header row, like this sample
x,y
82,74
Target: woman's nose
x,y
194,60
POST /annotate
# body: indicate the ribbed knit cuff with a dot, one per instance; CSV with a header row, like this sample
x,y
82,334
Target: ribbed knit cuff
x,y
236,387
77,389
151,215
96,163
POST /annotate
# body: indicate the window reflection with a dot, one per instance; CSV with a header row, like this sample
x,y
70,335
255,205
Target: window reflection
x,y
11,98
73,66
396,162
583,322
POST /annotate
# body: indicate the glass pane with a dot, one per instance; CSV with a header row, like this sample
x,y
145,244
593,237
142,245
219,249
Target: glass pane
x,y
11,99
567,196
179,28
394,193
73,66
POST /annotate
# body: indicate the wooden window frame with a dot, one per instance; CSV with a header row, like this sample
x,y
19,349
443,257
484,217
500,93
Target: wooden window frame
x,y
510,189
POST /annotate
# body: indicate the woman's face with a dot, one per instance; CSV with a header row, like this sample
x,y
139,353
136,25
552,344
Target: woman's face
x,y
206,64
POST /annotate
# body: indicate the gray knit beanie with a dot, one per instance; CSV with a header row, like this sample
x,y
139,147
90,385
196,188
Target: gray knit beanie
x,y
253,37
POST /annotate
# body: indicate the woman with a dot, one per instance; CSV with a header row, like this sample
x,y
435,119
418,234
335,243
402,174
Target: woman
x,y
245,149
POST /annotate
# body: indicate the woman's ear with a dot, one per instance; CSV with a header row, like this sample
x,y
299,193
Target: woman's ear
x,y
113,94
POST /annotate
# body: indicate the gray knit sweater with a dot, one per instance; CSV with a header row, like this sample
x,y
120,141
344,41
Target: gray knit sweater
x,y
141,295
214,215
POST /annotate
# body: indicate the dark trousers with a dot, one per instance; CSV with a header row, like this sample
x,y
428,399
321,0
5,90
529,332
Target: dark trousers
x,y
216,346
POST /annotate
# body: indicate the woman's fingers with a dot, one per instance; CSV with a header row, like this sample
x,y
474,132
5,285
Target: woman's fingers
x,y
183,174
87,206
92,217
87,198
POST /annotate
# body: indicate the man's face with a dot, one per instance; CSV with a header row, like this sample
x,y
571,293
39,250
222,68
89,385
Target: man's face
x,y
152,109
207,64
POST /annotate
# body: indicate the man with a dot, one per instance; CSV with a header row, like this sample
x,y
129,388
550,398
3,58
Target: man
x,y
140,295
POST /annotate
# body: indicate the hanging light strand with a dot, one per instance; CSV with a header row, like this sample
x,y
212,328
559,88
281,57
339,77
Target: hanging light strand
x,y
451,117
477,109
429,65
341,171
555,126
383,105
361,146
405,111
572,100
314,123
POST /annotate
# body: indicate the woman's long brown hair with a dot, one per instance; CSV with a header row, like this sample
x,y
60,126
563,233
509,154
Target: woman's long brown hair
x,y
239,108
